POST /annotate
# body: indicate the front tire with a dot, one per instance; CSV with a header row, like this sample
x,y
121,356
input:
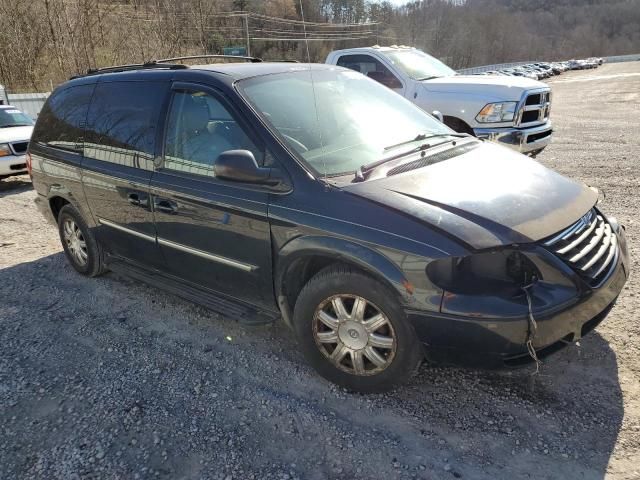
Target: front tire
x,y
352,330
81,248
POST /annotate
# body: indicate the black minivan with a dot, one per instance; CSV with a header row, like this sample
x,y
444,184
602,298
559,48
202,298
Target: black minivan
x,y
312,193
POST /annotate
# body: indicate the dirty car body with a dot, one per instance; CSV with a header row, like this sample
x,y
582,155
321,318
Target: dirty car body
x,y
454,229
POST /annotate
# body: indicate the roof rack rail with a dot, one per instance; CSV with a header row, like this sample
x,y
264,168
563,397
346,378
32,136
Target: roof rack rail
x,y
192,57
133,66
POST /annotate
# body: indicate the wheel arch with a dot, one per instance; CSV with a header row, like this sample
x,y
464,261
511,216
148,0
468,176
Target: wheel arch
x,y
302,258
58,196
457,124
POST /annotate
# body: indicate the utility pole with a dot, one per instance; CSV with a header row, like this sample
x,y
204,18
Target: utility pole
x,y
246,29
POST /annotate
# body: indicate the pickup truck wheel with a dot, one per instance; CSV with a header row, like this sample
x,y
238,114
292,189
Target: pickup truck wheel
x,y
81,248
354,333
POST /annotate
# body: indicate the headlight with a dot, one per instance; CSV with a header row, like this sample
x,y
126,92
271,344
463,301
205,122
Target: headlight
x,y
502,272
497,112
4,150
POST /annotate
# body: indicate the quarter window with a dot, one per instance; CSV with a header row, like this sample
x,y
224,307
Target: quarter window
x,y
199,129
371,67
121,127
62,119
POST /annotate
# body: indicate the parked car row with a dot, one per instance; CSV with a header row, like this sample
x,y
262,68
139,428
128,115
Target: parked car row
x,y
542,70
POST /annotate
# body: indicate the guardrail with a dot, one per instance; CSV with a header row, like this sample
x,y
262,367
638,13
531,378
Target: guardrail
x,y
623,58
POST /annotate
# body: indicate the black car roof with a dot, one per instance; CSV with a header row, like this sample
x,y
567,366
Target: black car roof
x,y
240,71
227,72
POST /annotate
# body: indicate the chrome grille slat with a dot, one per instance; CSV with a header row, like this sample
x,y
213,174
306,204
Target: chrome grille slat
x,y
579,240
603,248
589,246
613,249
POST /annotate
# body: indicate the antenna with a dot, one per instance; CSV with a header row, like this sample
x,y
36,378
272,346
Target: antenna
x,y
313,89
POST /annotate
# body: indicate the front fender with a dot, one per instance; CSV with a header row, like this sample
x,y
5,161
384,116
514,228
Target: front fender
x,y
342,250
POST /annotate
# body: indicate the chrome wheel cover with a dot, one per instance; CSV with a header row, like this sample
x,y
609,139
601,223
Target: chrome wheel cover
x,y
354,335
76,244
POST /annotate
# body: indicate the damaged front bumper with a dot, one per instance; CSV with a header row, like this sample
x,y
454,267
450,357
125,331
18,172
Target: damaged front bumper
x,y
501,341
524,140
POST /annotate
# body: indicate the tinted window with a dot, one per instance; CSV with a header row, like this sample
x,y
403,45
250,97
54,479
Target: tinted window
x,y
121,126
371,67
199,129
63,117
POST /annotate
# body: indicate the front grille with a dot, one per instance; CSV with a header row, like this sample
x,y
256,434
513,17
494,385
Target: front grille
x,y
536,108
20,148
589,246
530,116
533,99
18,166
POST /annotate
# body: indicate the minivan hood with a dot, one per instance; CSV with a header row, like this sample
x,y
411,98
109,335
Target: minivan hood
x,y
503,86
488,197
15,134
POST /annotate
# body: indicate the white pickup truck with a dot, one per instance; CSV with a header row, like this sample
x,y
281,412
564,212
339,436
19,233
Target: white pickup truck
x,y
512,111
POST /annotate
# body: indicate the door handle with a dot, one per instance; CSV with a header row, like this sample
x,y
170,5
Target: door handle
x,y
138,199
164,205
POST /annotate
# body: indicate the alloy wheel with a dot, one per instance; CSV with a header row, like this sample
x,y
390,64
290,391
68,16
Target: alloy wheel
x,y
354,335
75,241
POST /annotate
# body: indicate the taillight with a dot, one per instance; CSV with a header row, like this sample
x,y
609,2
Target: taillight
x,y
28,157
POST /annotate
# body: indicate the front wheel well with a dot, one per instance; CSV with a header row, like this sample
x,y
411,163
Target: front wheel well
x,y
458,125
301,270
56,204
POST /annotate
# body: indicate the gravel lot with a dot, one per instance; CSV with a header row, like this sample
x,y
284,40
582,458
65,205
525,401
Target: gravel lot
x,y
106,378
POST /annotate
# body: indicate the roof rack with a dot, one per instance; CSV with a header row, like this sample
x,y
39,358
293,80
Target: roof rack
x,y
133,66
192,57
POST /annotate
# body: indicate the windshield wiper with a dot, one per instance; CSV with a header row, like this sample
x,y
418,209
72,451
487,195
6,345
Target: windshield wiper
x,y
15,125
424,136
364,170
427,78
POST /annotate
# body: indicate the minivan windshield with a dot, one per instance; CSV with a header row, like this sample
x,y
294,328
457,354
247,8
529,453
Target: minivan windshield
x,y
417,64
338,120
12,117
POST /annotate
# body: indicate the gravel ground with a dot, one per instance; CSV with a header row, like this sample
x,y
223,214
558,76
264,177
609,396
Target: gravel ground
x,y
106,378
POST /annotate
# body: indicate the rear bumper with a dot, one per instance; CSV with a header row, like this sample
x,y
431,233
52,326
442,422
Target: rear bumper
x,y
524,140
13,165
501,342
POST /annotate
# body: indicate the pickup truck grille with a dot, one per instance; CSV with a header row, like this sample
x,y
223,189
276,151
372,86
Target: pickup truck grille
x,y
589,246
535,109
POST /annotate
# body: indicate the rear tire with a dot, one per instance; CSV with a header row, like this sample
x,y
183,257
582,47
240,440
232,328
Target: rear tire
x,y
352,330
83,252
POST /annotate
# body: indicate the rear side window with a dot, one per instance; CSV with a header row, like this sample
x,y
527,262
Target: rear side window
x,y
63,117
121,126
371,67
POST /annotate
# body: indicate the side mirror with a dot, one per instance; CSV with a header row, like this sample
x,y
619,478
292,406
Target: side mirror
x,y
438,115
241,166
